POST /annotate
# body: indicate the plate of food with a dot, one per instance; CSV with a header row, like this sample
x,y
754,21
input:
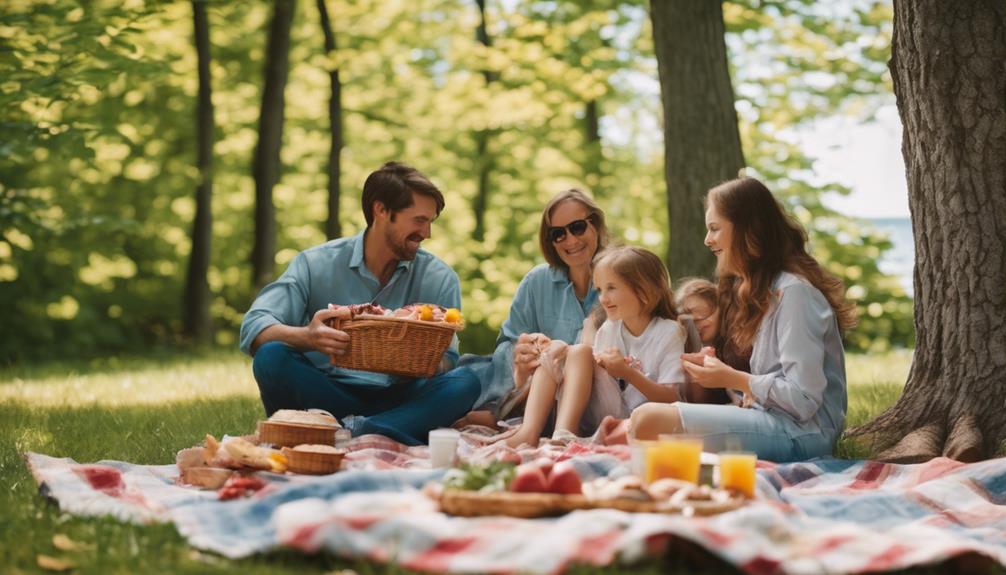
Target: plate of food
x,y
543,488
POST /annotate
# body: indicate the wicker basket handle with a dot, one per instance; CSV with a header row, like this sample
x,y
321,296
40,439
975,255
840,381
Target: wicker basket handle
x,y
399,333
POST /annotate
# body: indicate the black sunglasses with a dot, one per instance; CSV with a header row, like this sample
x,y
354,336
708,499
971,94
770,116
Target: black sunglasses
x,y
576,227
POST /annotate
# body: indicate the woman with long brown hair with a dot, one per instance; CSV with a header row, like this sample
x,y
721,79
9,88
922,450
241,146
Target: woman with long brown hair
x,y
782,315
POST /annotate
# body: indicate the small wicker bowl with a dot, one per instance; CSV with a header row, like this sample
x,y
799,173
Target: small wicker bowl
x,y
292,434
314,459
394,345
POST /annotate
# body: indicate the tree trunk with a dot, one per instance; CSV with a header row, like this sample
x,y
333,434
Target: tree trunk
x,y
333,229
267,159
593,150
947,62
483,159
702,145
197,290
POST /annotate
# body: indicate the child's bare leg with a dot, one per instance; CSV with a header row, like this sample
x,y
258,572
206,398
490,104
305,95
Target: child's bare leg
x,y
577,383
540,400
652,419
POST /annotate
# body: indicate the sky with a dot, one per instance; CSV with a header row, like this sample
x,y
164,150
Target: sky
x,y
865,157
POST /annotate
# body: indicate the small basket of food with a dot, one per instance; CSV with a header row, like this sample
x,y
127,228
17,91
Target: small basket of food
x,y
409,341
314,459
290,427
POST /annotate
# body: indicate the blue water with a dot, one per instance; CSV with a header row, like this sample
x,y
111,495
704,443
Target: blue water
x,y
900,259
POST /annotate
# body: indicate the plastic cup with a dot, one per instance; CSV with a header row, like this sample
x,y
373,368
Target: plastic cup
x,y
674,456
637,460
443,446
737,471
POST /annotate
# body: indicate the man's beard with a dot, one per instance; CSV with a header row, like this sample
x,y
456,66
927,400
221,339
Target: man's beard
x,y
401,249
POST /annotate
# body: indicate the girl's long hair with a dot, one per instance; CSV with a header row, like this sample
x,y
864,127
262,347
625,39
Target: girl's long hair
x,y
645,273
766,242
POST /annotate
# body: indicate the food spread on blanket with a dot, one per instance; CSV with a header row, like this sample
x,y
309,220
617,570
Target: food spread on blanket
x,y
416,311
545,476
223,464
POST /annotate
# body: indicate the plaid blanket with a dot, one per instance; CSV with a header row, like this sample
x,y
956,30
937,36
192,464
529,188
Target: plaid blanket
x,y
825,515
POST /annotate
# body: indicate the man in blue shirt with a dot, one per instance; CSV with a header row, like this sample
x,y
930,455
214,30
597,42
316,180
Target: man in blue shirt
x,y
285,329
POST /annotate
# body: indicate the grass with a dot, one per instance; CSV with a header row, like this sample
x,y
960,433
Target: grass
x,y
143,410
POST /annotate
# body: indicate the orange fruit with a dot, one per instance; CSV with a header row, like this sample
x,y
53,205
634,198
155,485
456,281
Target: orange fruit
x,y
425,313
452,315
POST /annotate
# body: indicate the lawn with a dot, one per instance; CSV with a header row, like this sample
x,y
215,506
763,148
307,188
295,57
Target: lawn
x,y
144,410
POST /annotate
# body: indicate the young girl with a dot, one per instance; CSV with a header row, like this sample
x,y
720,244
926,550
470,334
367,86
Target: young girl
x,y
698,297
636,355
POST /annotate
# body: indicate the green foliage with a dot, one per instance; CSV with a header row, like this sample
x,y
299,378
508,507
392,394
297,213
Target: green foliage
x,y
97,146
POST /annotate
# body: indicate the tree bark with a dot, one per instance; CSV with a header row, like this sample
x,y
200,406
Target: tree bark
x,y
333,229
593,149
483,159
196,322
948,63
267,158
702,145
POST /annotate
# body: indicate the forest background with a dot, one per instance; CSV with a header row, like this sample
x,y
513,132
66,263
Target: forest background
x,y
502,104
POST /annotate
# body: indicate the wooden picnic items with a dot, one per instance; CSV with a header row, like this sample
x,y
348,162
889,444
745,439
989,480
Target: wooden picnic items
x,y
409,341
530,490
290,427
306,439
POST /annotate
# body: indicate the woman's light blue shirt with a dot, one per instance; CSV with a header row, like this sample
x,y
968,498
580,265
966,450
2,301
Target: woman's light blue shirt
x,y
546,303
798,382
797,362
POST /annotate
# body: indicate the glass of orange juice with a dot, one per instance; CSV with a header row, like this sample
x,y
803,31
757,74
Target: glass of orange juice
x,y
675,456
737,471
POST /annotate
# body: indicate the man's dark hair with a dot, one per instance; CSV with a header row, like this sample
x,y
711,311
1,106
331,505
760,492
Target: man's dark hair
x,y
392,185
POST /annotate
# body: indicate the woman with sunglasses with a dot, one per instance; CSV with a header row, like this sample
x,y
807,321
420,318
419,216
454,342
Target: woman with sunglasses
x,y
553,299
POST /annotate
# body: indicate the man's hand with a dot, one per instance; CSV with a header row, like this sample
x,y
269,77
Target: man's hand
x,y
328,340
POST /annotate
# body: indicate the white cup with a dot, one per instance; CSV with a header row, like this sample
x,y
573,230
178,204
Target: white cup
x,y
443,446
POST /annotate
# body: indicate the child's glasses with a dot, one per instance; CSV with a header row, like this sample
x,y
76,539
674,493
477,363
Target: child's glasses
x,y
576,227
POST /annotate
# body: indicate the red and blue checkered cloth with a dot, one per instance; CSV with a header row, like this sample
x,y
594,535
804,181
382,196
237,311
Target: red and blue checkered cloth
x,y
826,515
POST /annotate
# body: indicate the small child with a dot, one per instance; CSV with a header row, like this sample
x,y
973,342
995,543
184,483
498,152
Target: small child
x,y
699,298
636,355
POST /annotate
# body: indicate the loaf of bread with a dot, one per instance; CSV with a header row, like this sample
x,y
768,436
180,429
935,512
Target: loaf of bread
x,y
299,417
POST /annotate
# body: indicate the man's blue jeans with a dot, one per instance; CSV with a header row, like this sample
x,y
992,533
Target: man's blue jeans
x,y
405,411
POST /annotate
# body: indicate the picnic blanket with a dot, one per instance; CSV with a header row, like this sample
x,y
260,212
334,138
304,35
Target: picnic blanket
x,y
825,515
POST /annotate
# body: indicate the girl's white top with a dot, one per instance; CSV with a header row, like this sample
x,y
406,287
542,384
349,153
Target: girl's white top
x,y
657,353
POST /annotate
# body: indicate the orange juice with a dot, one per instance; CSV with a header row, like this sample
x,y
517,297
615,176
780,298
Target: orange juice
x,y
737,471
674,456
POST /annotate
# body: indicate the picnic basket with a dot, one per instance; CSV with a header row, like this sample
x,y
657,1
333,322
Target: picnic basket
x,y
312,460
291,434
394,345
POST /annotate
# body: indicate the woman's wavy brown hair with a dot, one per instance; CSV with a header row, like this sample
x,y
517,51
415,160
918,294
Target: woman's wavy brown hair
x,y
766,242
